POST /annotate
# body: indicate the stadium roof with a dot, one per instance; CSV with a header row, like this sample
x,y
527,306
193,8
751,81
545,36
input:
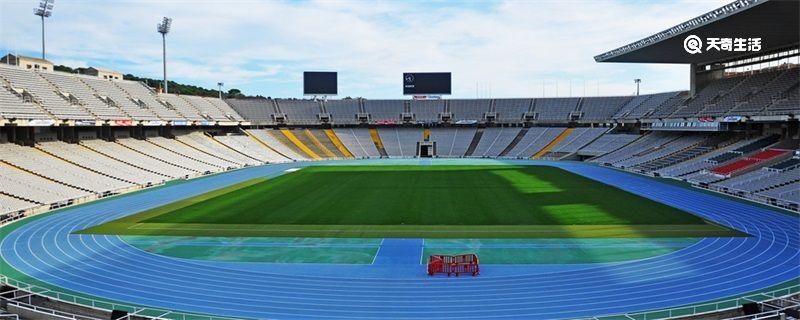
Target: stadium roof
x,y
774,21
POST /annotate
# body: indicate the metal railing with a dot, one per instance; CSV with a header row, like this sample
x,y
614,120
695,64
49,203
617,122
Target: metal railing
x,y
102,305
706,308
157,313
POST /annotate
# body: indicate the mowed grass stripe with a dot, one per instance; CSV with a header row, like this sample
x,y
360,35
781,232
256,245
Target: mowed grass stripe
x,y
189,201
418,201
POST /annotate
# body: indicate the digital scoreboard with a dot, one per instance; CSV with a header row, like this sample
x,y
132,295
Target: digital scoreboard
x,y
320,83
420,83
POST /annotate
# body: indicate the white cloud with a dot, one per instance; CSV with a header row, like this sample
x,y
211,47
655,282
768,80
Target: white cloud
x,y
263,46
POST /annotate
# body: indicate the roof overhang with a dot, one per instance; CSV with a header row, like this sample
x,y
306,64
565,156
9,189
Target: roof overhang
x,y
776,22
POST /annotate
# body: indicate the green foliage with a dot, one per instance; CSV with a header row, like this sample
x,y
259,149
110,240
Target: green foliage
x,y
174,87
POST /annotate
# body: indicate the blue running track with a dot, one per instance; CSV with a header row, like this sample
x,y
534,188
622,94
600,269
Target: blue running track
x,y
394,286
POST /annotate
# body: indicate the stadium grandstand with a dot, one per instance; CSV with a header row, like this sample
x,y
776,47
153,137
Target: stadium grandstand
x,y
94,173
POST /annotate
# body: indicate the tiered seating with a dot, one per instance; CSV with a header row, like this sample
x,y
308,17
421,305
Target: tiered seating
x,y
282,137
702,178
182,106
452,142
206,144
358,141
137,90
494,141
138,159
534,140
631,104
268,137
11,204
300,111
666,108
224,107
12,106
85,95
43,93
555,109
469,109
648,105
210,110
576,140
251,148
33,188
712,92
640,147
318,141
786,164
748,162
462,140
400,142
427,110
307,140
658,151
788,194
342,111
106,88
601,108
607,143
706,146
167,155
753,145
53,168
698,164
725,157
787,104
258,109
758,180
511,110
86,158
444,138
775,91
384,111
747,87
186,151
326,141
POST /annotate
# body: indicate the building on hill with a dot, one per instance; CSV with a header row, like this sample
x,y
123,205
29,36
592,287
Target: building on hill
x,y
104,73
27,62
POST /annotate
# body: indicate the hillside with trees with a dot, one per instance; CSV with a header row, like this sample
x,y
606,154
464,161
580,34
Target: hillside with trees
x,y
174,87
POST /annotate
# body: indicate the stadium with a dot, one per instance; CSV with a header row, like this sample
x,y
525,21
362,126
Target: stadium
x,y
121,200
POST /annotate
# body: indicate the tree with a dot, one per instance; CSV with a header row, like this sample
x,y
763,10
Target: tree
x,y
235,93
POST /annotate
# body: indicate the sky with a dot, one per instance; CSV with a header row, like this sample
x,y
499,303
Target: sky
x,y
494,49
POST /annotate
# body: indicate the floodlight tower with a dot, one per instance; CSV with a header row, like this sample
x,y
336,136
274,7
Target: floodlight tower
x,y
45,10
637,81
163,29
220,84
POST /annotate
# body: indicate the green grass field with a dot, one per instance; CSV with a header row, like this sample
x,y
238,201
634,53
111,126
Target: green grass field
x,y
418,201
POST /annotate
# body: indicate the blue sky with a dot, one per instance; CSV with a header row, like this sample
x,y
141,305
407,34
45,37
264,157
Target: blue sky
x,y
494,49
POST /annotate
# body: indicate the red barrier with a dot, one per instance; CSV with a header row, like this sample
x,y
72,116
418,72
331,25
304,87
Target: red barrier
x,y
749,161
458,264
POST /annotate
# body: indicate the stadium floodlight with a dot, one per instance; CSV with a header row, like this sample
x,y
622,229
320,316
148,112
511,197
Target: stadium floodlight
x,y
44,10
637,81
220,84
163,29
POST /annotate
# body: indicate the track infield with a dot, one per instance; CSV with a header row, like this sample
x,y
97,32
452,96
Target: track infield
x,y
452,201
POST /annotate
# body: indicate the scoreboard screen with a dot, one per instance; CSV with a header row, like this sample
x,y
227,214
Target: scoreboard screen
x,y
315,82
426,83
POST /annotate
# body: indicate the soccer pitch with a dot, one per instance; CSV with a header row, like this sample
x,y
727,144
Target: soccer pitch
x,y
453,201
